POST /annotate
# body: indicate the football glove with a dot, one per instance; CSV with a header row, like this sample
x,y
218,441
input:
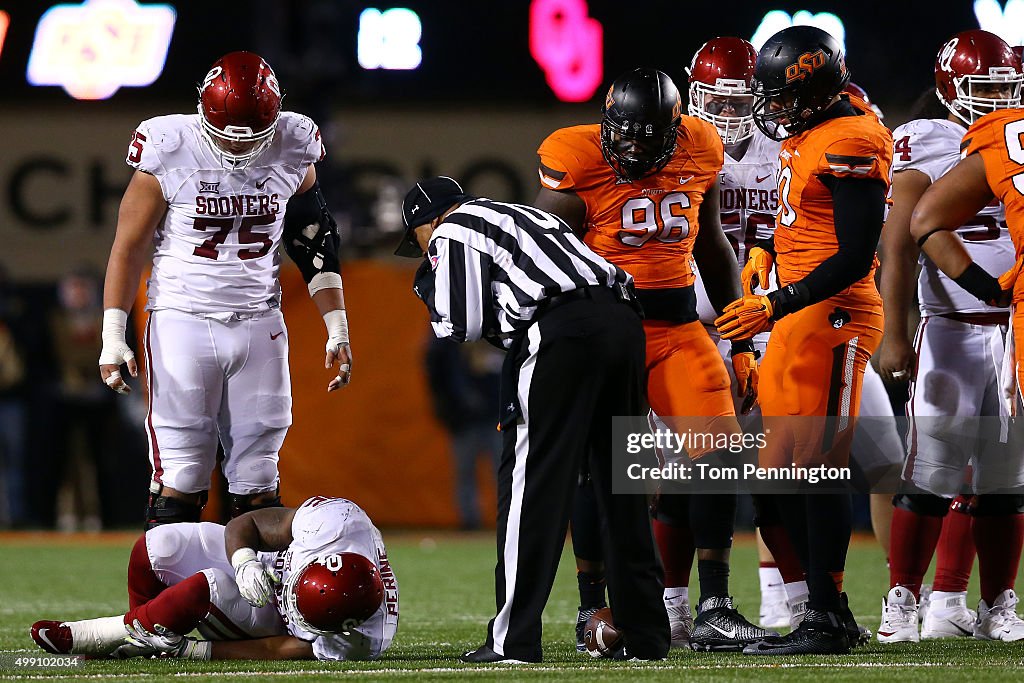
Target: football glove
x,y
746,317
255,583
757,270
166,643
744,366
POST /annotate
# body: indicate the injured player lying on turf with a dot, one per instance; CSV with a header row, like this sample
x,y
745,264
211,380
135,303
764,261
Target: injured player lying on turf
x,y
312,582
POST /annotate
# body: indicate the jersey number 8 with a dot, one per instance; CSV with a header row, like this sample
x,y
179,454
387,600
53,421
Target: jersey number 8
x,y
640,219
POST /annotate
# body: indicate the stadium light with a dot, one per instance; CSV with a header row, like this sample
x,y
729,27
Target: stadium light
x,y
567,44
776,20
389,39
1006,22
95,48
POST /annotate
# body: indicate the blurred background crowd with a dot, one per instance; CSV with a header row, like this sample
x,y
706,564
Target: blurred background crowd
x,y
401,90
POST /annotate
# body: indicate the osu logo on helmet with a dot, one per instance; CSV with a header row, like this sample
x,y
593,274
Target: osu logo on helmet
x,y
334,594
805,65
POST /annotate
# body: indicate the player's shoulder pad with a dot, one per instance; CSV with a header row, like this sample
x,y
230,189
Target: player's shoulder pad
x,y
300,139
568,155
988,131
157,139
858,147
924,141
701,139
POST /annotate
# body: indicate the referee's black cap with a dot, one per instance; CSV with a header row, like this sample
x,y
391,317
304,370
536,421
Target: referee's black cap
x,y
427,200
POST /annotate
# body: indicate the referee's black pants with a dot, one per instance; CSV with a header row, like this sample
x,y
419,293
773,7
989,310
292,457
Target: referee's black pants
x,y
578,367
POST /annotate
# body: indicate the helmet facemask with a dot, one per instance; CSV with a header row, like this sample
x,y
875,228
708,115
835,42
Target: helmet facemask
x,y
975,93
224,141
708,101
635,152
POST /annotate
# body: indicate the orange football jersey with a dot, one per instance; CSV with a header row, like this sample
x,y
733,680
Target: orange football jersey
x,y
844,147
999,139
646,227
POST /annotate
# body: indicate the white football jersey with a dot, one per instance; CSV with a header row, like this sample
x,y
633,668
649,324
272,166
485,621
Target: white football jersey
x,y
326,526
749,199
216,250
932,146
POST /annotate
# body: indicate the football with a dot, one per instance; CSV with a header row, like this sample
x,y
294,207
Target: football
x,y
600,635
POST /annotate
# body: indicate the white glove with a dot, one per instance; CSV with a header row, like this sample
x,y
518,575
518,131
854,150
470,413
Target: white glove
x,y
167,643
255,583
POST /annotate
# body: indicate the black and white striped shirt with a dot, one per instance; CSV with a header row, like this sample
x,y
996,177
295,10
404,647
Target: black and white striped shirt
x,y
493,263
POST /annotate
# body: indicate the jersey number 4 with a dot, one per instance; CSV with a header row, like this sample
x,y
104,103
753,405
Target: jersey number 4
x,y
666,220
223,227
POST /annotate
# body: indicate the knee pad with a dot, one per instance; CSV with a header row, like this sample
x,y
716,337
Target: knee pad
x,y
997,505
165,510
926,504
242,503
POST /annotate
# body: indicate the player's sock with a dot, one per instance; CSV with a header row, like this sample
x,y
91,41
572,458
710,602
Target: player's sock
x,y
829,524
179,608
675,544
770,577
143,585
676,596
954,556
783,552
914,537
796,592
714,578
96,636
591,589
999,539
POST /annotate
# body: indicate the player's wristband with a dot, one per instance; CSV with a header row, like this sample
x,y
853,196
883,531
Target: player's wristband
x,y
115,322
337,325
241,556
789,299
324,280
742,346
980,283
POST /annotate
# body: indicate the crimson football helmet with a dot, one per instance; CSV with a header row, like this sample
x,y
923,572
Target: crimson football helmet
x,y
857,91
239,105
976,72
720,76
333,594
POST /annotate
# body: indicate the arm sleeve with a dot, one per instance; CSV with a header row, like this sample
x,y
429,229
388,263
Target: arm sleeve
x,y
460,306
858,208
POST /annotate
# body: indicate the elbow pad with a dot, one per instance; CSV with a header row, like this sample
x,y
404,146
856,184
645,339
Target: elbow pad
x,y
311,236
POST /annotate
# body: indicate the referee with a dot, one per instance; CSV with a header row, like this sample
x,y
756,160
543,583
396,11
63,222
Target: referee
x,y
517,276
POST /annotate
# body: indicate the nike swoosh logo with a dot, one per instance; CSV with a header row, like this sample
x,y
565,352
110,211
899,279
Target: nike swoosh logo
x,y
275,336
53,648
761,180
259,185
885,634
685,179
964,631
728,634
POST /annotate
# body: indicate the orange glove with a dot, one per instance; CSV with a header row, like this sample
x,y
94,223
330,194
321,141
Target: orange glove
x,y
745,317
744,366
1008,279
757,270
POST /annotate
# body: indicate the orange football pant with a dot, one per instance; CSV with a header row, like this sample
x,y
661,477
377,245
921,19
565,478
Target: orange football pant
x,y
811,379
687,383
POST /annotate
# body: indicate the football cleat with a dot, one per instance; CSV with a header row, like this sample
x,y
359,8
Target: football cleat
x,y
485,655
899,617
820,633
53,636
582,616
1000,621
948,617
858,635
720,628
924,602
680,621
774,611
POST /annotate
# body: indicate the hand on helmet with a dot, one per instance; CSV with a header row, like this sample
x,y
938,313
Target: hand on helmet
x,y
255,583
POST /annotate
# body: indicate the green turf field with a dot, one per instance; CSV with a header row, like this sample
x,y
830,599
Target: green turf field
x,y
446,600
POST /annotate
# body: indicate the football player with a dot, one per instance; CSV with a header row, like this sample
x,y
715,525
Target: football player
x,y
826,318
992,168
949,365
213,196
642,188
312,582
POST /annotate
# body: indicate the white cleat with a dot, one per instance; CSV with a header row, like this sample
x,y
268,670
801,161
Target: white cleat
x,y
948,617
899,617
680,621
774,610
1000,621
924,602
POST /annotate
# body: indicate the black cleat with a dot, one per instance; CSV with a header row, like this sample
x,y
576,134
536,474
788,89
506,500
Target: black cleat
x,y
582,616
820,633
858,635
485,655
720,628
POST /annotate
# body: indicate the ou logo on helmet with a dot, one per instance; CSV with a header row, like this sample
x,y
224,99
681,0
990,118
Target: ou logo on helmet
x,y
946,56
211,76
805,65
